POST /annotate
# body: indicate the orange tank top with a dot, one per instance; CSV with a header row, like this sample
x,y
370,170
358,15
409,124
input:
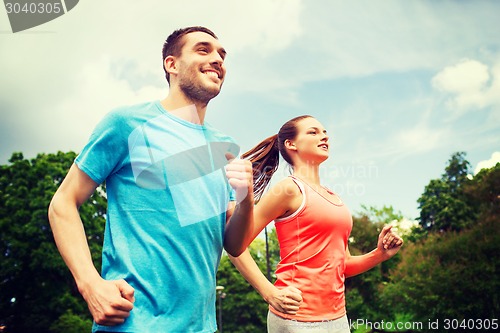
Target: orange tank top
x,y
313,243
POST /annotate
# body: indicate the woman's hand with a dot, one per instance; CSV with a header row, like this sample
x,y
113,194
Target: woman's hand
x,y
286,300
389,242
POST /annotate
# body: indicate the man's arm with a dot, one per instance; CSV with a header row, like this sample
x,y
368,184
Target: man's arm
x,y
239,218
109,301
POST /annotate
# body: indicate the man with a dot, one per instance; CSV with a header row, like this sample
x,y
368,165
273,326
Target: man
x,y
168,201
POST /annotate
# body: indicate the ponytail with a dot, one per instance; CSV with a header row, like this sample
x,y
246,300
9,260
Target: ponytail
x,y
265,155
265,161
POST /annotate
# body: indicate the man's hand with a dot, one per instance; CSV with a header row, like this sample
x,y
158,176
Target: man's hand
x,y
109,302
240,176
286,300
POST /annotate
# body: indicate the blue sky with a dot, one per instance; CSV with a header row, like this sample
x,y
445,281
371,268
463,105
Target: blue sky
x,y
400,85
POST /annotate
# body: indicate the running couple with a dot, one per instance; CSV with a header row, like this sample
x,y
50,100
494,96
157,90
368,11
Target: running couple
x,y
174,203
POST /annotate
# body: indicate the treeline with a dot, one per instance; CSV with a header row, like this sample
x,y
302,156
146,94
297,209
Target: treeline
x,y
446,274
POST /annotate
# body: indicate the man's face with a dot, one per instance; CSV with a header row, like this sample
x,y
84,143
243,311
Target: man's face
x,y
201,69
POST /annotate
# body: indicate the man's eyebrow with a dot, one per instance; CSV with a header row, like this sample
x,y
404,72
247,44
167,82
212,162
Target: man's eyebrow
x,y
220,50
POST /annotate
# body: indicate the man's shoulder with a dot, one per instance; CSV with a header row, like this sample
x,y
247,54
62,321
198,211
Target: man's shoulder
x,y
133,109
215,132
130,114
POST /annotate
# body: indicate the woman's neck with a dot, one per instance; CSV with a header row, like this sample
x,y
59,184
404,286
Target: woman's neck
x,y
308,173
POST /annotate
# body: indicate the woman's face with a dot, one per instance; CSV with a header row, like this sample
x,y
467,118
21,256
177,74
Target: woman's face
x,y
311,142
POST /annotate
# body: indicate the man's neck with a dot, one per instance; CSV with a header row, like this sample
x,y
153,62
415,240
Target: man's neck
x,y
185,109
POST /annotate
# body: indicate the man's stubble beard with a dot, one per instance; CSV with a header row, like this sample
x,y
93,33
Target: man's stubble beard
x,y
195,91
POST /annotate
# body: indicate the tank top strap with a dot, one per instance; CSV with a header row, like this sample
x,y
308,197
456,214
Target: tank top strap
x,y
300,184
303,190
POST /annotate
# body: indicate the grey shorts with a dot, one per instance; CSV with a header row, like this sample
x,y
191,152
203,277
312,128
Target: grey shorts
x,y
276,324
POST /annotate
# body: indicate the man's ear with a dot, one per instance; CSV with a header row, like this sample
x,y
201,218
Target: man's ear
x,y
289,144
170,64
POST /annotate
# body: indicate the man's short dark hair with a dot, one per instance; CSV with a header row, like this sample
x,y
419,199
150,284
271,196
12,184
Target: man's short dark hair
x,y
173,44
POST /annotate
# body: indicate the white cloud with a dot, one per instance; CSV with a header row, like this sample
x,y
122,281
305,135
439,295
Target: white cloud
x,y
486,164
65,74
131,31
61,77
262,26
469,84
358,38
331,40
64,121
99,91
399,142
468,76
419,139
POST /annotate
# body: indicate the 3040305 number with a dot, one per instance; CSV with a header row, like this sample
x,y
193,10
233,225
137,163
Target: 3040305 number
x,y
33,8
471,324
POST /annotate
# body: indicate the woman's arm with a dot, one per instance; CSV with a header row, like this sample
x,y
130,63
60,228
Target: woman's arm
x,y
286,300
277,202
387,246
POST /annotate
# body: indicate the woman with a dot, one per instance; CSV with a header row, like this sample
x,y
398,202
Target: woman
x,y
313,226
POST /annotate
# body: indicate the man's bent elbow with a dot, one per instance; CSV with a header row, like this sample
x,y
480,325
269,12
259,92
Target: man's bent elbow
x,y
51,211
54,210
233,249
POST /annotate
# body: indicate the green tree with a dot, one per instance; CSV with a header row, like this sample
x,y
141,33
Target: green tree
x,y
363,291
273,256
243,309
444,206
450,275
384,215
71,323
484,192
454,275
36,288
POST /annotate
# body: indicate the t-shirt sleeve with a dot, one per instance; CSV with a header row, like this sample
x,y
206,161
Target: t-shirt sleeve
x,y
104,152
232,194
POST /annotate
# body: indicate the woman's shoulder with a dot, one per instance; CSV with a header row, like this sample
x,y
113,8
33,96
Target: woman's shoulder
x,y
286,188
289,196
279,201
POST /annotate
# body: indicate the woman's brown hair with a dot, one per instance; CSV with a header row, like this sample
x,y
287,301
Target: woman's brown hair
x,y
265,155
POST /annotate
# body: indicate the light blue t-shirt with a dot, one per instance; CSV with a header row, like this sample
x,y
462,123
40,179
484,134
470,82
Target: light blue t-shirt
x,y
167,198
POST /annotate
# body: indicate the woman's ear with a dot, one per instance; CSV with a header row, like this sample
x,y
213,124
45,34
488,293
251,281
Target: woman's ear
x,y
170,64
289,144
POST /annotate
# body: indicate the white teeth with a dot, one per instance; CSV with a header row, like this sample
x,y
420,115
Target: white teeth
x,y
212,74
